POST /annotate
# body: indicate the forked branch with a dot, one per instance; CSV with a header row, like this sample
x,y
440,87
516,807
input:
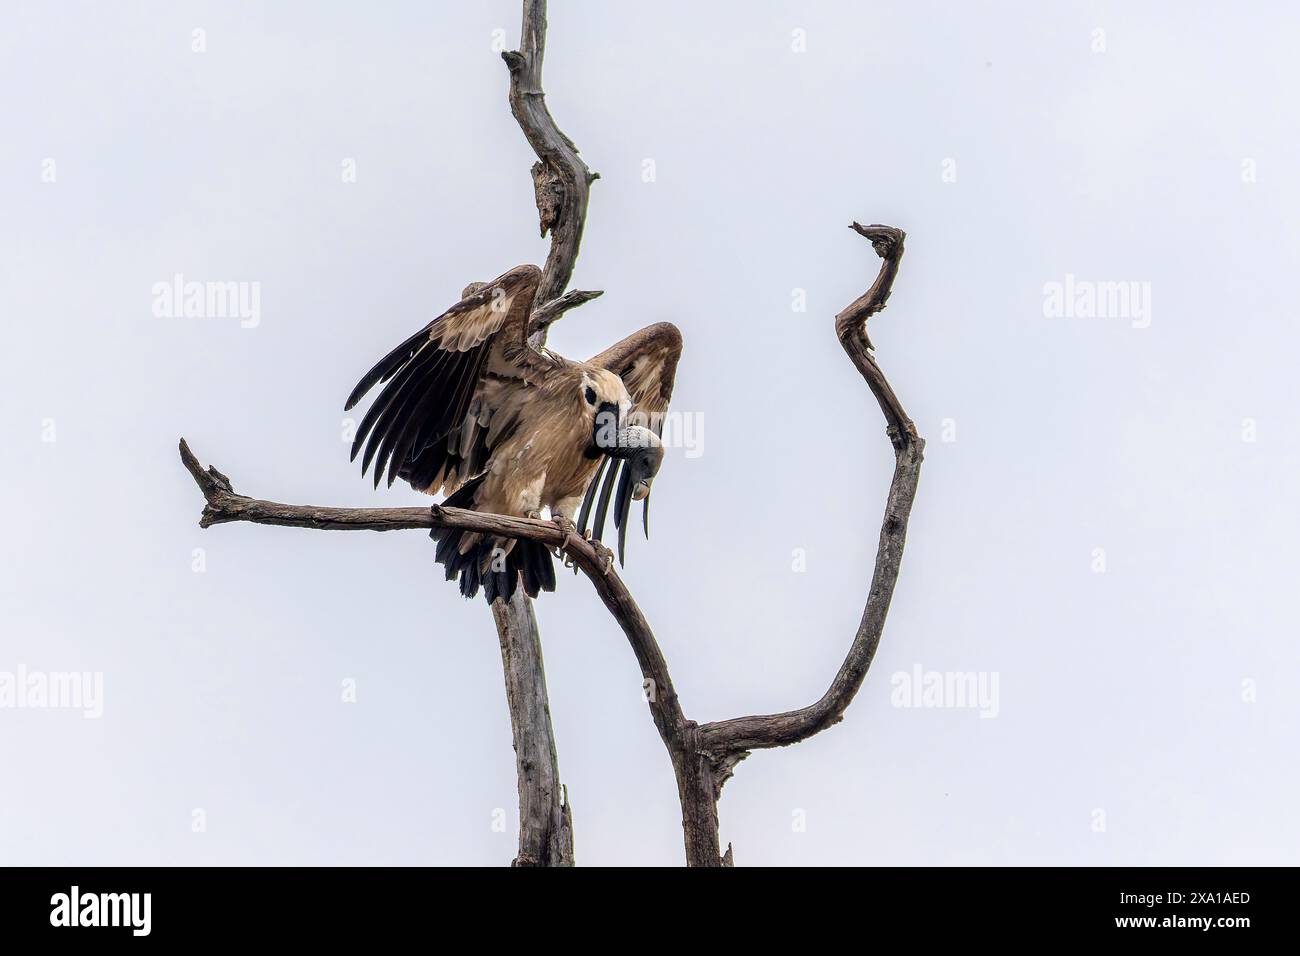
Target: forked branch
x,y
703,756
731,738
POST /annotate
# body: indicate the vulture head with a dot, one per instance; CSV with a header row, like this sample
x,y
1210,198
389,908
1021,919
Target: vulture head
x,y
636,453
642,452
639,449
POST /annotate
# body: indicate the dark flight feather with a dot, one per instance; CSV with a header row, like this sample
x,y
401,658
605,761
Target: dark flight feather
x,y
390,401
407,392
620,510
590,498
425,419
386,366
602,506
382,404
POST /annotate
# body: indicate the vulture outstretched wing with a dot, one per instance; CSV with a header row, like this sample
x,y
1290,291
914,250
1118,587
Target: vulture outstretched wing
x,y
646,361
449,387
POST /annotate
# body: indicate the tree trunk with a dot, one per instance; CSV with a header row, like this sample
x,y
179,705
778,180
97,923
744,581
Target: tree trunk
x,y
545,825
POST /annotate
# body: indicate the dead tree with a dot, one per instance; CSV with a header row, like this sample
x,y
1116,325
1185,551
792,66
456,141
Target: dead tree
x,y
561,181
703,756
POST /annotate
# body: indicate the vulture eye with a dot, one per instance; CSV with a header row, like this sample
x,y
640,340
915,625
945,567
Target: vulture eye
x,y
590,395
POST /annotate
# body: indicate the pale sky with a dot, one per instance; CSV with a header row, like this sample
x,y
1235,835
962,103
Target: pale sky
x,y
1107,518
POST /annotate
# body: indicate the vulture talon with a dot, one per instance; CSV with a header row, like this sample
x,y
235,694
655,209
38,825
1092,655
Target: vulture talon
x,y
571,537
605,555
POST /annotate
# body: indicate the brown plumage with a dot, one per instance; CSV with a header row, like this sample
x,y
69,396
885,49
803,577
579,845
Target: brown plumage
x,y
470,408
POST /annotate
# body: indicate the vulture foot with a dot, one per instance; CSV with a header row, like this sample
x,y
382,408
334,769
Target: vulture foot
x,y
570,537
605,554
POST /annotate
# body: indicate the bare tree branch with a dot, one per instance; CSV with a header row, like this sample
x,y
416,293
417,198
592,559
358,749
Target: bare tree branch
x,y
225,505
544,315
730,737
561,179
545,816
561,183
703,756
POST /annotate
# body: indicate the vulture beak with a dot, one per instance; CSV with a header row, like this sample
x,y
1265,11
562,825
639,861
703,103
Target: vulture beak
x,y
633,455
642,453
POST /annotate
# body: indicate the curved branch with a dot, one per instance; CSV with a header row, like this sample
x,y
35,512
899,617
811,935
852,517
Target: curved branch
x,y
561,180
703,756
730,739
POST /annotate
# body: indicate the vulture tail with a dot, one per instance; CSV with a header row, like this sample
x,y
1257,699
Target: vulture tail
x,y
487,564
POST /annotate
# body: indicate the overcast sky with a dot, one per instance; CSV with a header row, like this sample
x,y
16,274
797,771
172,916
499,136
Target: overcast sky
x,y
1105,530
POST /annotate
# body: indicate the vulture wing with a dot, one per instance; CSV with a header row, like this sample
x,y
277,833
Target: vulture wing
x,y
435,420
646,361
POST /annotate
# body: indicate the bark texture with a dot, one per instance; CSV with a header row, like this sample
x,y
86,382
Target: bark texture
x,y
545,820
560,182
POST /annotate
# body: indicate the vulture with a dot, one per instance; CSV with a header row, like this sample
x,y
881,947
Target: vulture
x,y
471,409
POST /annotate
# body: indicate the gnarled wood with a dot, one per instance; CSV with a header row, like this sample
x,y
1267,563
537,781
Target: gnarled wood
x,y
730,738
545,817
561,180
561,184
704,756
